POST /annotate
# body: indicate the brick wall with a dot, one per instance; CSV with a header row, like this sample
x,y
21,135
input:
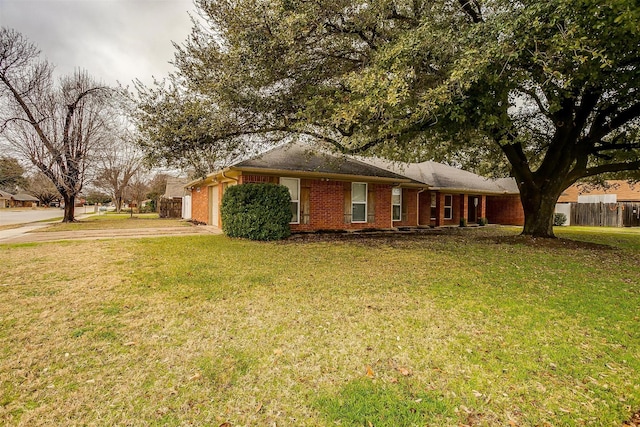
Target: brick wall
x,y
409,208
200,204
327,206
505,210
425,208
258,179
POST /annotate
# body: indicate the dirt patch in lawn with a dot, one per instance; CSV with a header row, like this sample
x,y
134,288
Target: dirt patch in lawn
x,y
555,243
495,235
634,421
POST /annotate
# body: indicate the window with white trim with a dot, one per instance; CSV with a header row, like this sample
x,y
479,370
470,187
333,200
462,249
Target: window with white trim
x,y
358,202
396,203
293,184
448,206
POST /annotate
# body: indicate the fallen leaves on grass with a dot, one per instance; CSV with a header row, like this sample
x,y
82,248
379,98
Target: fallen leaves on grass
x,y
370,372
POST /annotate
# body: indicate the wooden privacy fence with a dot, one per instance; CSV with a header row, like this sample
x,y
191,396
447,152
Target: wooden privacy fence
x,y
170,208
625,214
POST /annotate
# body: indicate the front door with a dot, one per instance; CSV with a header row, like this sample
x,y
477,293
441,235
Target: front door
x,y
474,205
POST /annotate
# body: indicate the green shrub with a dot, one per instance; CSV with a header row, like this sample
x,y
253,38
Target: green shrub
x,y
256,211
463,222
482,221
559,219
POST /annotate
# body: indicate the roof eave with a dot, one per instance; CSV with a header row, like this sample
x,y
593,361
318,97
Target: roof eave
x,y
328,175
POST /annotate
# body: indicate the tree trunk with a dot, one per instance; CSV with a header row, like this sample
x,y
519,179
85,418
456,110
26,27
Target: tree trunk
x,y
539,206
69,208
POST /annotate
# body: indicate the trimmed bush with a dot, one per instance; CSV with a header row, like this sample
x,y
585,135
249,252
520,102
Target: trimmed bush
x,y
559,219
256,211
482,222
463,222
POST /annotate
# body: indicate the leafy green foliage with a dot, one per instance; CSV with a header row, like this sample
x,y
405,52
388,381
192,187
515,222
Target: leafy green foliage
x,y
546,91
559,219
11,175
256,211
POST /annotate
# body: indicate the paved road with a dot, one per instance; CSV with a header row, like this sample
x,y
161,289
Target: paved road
x,y
11,216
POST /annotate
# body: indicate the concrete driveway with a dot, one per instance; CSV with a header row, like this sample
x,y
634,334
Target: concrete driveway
x,y
12,216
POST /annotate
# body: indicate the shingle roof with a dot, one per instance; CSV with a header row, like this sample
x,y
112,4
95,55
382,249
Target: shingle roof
x,y
298,157
443,177
175,188
23,197
5,195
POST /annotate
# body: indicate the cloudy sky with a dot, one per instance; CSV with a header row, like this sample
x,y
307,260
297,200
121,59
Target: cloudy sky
x,y
114,40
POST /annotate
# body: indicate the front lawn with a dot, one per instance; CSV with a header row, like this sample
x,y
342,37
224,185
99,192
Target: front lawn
x,y
472,327
112,221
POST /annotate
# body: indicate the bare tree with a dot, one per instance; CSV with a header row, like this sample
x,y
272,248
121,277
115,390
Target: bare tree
x,y
118,162
56,126
137,189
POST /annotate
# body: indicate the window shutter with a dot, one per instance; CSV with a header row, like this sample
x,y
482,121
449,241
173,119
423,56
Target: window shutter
x,y
404,208
305,211
347,202
371,203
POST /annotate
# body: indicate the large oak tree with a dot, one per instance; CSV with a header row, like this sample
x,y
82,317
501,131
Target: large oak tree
x,y
549,89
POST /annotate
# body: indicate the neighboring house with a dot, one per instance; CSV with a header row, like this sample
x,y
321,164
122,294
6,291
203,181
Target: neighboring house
x,y
5,199
172,204
613,191
23,200
614,204
333,192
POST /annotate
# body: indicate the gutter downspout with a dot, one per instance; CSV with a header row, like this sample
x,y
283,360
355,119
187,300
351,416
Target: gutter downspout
x,y
228,177
418,207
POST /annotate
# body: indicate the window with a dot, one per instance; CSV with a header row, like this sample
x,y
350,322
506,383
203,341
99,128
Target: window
x,y
293,184
448,206
358,202
396,203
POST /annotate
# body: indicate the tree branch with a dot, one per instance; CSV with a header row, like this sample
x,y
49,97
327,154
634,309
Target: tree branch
x,y
624,117
612,167
473,9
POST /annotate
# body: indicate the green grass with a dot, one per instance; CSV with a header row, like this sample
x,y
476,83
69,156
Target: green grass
x,y
110,221
474,327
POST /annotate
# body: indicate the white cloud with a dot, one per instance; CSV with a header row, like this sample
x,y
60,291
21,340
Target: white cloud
x,y
114,40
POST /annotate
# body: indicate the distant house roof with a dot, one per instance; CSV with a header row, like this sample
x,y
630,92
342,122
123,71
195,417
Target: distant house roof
x,y
624,191
23,197
304,160
5,195
448,178
175,188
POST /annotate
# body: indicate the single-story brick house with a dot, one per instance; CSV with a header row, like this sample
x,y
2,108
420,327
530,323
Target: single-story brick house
x,y
5,199
333,192
20,200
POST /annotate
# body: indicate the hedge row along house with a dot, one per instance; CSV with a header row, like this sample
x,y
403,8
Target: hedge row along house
x,y
334,192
